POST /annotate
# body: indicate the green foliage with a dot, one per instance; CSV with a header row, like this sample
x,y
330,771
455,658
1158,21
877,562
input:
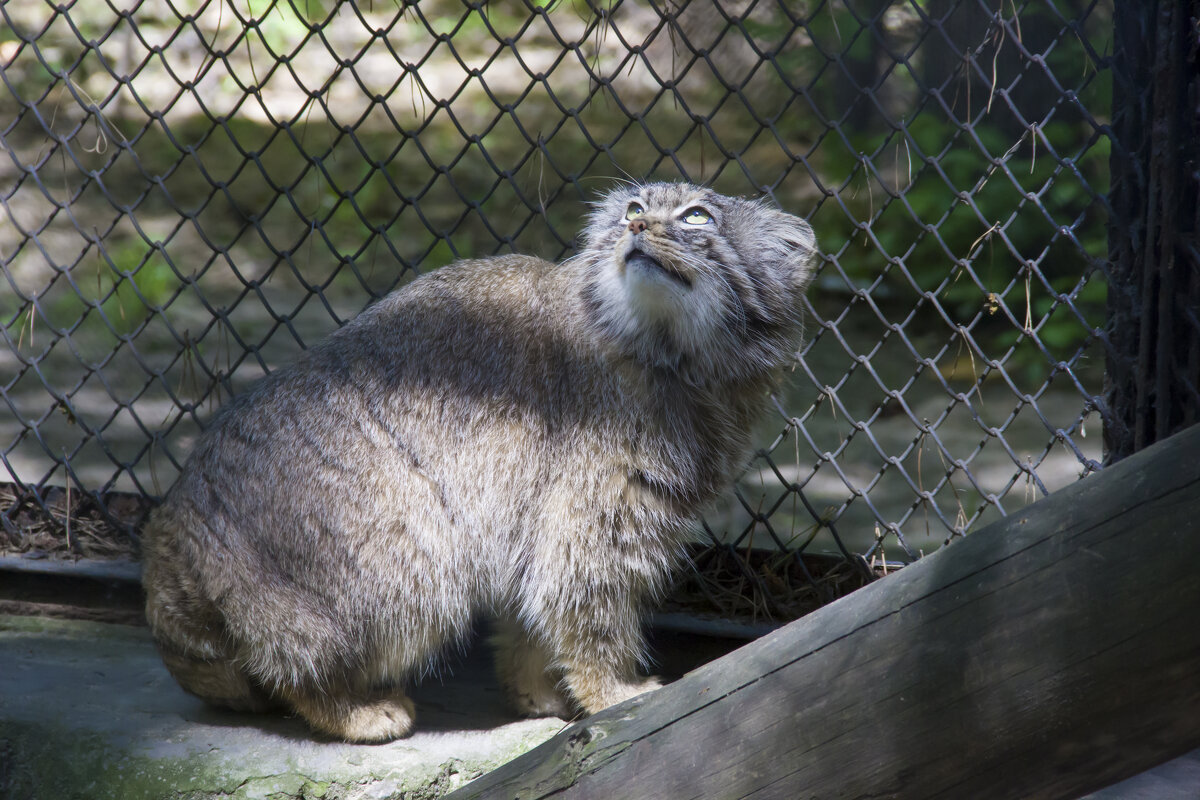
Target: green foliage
x,y
132,279
975,223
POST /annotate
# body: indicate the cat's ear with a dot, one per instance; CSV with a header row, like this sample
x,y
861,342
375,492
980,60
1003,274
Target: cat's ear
x,y
791,246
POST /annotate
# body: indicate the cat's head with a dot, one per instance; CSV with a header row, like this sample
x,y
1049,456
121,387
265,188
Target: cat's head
x,y
682,276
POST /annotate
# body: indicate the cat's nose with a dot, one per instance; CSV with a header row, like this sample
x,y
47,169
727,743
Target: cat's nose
x,y
637,225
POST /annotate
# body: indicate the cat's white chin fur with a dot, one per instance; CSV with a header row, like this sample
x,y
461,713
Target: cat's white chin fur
x,y
653,295
657,302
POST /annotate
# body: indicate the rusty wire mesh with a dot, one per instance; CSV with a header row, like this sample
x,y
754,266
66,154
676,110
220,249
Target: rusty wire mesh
x,y
195,191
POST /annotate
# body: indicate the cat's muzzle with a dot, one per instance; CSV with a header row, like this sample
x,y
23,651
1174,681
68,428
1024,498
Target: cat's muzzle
x,y
639,259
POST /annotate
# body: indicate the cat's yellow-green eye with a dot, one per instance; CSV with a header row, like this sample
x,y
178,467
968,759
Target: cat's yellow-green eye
x,y
634,211
697,216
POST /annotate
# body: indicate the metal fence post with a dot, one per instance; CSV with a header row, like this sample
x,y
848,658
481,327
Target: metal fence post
x,y
1154,248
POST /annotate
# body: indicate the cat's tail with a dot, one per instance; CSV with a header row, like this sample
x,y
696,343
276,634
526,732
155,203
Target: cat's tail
x,y
218,681
188,628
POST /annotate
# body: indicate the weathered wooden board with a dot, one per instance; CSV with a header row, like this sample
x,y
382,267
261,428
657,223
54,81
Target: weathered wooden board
x,y
1049,654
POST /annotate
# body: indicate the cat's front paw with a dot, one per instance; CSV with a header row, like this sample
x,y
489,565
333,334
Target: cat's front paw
x,y
647,684
602,695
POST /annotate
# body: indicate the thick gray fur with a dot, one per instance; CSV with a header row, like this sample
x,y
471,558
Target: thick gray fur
x,y
506,436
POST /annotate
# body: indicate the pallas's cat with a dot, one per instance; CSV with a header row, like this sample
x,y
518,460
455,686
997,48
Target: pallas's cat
x,y
503,436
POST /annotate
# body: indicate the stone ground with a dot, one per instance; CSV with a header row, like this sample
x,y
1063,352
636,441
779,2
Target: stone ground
x,y
1175,780
88,711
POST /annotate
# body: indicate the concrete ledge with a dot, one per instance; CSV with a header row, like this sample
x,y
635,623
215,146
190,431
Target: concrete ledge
x,y
88,711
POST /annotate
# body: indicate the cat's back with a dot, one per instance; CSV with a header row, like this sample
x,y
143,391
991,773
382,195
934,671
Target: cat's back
x,y
463,323
398,426
463,317
431,375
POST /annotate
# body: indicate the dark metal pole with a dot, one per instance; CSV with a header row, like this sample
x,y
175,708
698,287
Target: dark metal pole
x,y
1154,283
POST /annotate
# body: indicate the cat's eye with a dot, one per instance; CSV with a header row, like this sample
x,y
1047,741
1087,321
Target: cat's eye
x,y
697,216
634,211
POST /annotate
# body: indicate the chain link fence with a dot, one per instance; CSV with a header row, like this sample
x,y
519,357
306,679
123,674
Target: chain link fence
x,y
193,192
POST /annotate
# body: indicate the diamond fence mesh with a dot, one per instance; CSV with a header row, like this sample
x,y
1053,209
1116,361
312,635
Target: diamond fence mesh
x,y
195,191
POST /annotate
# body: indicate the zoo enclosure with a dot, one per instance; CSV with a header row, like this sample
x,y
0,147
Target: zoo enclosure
x,y
194,192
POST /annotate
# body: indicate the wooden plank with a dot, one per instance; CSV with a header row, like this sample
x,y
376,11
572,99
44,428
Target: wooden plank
x,y
1052,653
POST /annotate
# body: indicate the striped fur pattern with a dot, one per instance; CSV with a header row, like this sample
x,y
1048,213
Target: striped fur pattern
x,y
503,436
